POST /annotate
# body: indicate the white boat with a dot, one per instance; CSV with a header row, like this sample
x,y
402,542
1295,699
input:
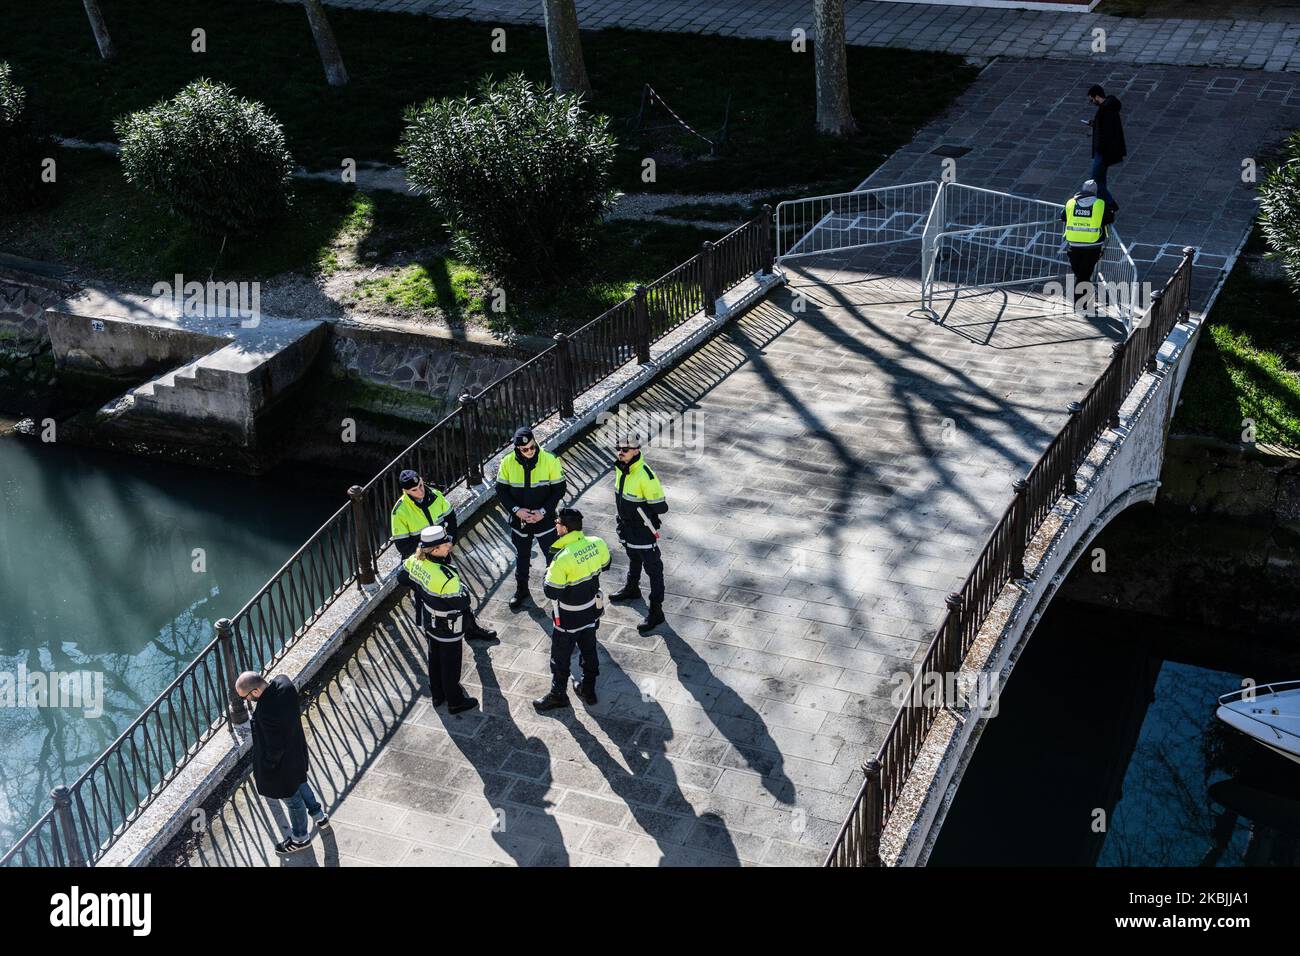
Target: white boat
x,y
1268,714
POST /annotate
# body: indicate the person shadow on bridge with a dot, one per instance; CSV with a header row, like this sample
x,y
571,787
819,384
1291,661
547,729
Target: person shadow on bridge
x,y
499,751
649,786
737,721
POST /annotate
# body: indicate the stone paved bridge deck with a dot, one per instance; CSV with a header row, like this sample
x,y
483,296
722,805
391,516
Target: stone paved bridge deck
x,y
851,459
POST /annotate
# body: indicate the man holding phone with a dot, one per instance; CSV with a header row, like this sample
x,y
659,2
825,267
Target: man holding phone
x,y
1108,146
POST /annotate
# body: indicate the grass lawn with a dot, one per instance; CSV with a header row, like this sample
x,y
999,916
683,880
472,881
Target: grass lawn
x,y
626,253
99,222
265,50
104,225
1247,363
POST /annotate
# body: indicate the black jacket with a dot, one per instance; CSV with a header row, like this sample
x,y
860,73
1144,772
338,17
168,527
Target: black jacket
x,y
545,498
279,745
1108,132
639,503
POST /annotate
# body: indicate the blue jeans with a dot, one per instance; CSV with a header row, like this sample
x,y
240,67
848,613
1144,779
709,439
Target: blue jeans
x,y
1098,175
299,805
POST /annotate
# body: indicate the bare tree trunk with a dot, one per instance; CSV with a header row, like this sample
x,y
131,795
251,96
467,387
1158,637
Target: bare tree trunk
x,y
330,57
564,46
100,29
833,113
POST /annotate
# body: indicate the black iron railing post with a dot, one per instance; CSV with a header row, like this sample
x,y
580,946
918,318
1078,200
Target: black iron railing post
x,y
468,433
954,626
1185,305
1019,528
1160,331
1116,399
873,811
641,321
63,810
1073,444
708,279
564,374
765,241
361,528
237,710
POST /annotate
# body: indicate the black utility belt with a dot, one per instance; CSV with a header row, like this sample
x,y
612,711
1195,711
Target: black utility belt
x,y
639,545
452,627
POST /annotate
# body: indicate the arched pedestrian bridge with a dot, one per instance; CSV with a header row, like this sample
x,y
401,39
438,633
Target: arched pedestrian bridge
x,y
835,460
842,462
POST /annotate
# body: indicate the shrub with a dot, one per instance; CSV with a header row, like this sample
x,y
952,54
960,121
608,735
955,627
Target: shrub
x,y
1279,210
22,148
520,174
216,159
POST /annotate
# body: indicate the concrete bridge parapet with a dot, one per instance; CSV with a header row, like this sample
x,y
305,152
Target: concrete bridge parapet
x,y
1123,469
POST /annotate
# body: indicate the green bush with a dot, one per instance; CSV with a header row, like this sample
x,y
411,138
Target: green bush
x,y
520,173
1279,210
22,148
216,159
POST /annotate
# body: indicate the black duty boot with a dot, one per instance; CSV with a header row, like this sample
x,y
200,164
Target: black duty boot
x,y
469,703
521,598
586,691
556,699
630,592
652,620
480,633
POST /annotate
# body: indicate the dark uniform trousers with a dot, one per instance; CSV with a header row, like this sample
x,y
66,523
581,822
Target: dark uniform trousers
x,y
524,553
562,643
1083,262
444,670
653,561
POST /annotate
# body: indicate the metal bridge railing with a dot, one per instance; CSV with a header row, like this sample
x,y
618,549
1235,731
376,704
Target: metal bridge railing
x,y
978,239
1001,561
88,817
853,220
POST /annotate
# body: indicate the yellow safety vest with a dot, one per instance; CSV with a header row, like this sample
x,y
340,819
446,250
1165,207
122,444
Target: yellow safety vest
x,y
547,471
573,581
408,518
1083,226
438,580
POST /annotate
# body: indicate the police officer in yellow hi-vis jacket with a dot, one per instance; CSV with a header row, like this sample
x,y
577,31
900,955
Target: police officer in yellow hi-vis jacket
x,y
573,587
639,500
436,585
1086,217
419,506
530,486
423,506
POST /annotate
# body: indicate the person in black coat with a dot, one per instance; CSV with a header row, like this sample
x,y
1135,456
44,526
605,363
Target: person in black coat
x,y
1108,146
280,754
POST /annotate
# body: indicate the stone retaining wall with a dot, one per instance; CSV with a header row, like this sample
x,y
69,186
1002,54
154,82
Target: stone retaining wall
x,y
440,364
24,297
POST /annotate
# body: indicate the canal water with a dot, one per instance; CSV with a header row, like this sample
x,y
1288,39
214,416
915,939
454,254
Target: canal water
x,y
1105,752
118,567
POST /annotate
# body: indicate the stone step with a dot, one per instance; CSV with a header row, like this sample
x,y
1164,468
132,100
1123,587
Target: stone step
x,y
172,378
224,372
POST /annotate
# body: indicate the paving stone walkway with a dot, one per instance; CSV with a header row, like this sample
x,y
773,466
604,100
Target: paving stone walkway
x,y
832,476
837,470
971,31
1188,130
